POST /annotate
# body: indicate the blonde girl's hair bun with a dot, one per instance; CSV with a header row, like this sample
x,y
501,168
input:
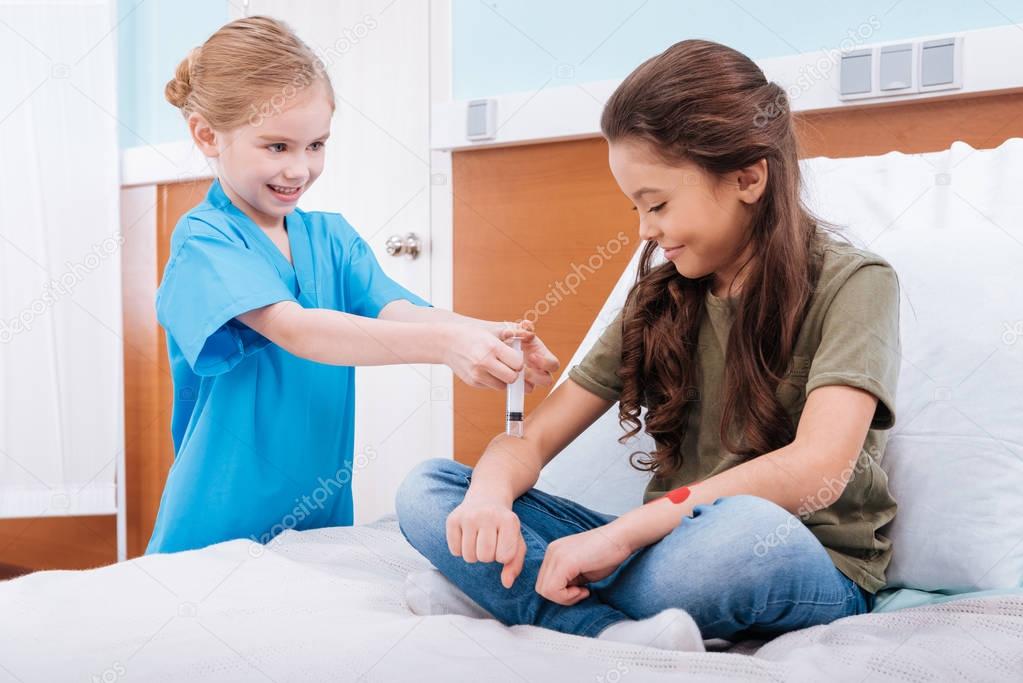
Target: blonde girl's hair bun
x,y
249,70
180,87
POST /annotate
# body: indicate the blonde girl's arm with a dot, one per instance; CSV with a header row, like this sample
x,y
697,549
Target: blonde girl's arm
x,y
476,355
541,364
403,310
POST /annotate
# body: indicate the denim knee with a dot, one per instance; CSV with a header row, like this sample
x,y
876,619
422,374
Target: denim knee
x,y
776,527
748,532
772,525
751,504
422,495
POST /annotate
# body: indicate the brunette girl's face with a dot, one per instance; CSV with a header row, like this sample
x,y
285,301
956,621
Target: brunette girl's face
x,y
699,220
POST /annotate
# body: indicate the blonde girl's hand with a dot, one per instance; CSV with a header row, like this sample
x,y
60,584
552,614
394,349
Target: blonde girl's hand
x,y
479,356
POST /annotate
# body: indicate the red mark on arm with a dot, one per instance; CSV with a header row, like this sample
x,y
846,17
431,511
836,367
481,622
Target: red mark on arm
x,y
676,496
679,494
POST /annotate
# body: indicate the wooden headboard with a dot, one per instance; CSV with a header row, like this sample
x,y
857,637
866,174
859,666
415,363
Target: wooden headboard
x,y
525,217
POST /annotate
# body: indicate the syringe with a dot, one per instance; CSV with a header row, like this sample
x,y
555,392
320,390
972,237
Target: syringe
x,y
516,398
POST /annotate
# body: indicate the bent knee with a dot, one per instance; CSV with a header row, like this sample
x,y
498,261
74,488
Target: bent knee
x,y
754,510
428,483
751,527
777,537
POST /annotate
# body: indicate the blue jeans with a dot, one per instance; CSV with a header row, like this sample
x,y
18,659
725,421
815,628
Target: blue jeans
x,y
715,564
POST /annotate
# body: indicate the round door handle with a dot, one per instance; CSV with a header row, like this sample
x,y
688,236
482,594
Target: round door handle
x,y
408,246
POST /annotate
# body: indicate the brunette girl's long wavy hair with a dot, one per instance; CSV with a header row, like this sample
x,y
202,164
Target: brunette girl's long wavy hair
x,y
708,104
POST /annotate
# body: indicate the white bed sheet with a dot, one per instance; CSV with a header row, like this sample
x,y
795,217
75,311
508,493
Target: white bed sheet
x,y
328,605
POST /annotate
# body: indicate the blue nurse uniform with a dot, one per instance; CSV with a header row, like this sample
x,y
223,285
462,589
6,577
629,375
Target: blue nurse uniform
x,y
263,439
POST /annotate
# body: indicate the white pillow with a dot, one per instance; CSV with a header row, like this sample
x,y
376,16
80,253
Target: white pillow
x,y
959,504
949,223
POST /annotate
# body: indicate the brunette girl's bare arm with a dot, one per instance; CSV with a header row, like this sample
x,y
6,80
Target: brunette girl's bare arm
x,y
484,527
510,466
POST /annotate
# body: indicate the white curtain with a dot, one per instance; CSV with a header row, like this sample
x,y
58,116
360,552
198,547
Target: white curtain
x,y
61,412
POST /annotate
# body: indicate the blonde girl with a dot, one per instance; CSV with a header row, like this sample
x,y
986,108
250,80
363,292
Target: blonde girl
x,y
267,307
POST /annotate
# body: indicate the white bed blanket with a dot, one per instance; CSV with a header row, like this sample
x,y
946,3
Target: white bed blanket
x,y
328,605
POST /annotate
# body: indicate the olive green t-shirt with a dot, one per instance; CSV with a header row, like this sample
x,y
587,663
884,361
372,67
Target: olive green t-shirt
x,y
850,336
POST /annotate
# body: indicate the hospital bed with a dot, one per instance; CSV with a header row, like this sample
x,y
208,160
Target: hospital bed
x,y
329,604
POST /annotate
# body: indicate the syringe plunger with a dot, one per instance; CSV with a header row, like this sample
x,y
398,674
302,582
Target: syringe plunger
x,y
516,398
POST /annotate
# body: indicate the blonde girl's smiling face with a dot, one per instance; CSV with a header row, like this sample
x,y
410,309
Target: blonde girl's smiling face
x,y
699,220
266,164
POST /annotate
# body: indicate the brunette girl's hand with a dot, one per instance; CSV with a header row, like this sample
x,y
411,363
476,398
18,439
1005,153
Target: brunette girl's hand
x,y
541,364
485,530
573,561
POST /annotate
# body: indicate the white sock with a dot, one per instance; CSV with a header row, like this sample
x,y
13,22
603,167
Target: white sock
x,y
430,593
671,629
